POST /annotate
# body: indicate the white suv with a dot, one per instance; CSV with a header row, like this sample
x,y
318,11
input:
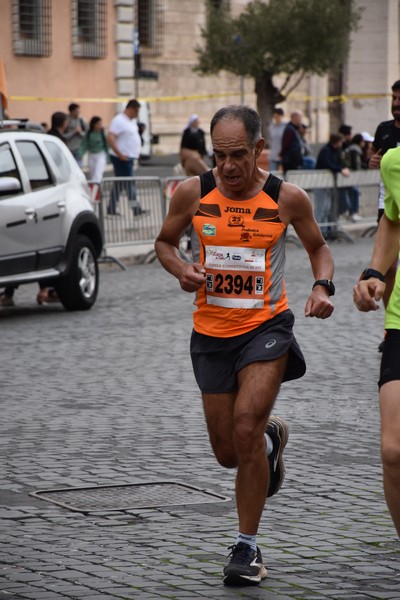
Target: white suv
x,y
49,232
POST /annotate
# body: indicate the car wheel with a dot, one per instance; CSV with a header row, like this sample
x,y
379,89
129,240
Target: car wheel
x,y
78,289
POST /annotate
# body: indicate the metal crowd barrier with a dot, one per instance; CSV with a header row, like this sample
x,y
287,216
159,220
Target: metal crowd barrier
x,y
121,227
189,248
320,186
367,183
291,236
170,185
117,209
95,197
365,177
324,189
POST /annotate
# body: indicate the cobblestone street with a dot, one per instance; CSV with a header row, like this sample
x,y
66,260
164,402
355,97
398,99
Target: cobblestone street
x,y
108,397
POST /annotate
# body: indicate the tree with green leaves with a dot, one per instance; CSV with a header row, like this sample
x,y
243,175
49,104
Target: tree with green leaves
x,y
289,38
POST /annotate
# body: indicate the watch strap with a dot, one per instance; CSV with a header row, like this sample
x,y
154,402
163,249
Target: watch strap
x,y
326,283
368,273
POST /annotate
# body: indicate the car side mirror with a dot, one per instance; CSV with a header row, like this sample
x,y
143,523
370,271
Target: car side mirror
x,y
10,184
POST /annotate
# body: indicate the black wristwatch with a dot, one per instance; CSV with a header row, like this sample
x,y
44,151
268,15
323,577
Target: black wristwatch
x,y
326,283
368,273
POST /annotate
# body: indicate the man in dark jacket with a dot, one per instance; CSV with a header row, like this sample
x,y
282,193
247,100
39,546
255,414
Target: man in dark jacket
x,y
329,157
292,145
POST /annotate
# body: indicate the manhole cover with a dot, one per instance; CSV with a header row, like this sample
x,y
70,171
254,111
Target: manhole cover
x,y
128,497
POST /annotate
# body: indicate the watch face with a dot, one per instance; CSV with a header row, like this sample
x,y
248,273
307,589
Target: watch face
x,y
331,288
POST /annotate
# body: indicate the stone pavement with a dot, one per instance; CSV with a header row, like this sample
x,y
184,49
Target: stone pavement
x,y
108,397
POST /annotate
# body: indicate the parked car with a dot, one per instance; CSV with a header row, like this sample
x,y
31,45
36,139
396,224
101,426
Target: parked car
x,y
49,231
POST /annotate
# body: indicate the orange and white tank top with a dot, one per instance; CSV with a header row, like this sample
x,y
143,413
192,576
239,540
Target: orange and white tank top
x,y
242,247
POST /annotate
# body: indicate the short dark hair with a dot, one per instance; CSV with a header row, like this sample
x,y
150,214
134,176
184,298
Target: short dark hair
x,y
58,119
133,104
345,129
396,85
357,139
334,138
73,106
248,116
278,111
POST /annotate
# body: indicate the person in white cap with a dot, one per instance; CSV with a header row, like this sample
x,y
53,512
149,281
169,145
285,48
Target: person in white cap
x,y
367,137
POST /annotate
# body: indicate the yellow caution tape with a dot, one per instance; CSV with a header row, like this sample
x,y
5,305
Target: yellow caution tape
x,y
122,99
340,98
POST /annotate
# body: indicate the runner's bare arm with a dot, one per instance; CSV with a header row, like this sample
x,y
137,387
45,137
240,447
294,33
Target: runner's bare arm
x,y
295,208
183,206
368,292
386,247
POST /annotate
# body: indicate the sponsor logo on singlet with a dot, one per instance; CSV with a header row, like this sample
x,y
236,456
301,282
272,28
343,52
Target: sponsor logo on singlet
x,y
209,229
235,221
239,210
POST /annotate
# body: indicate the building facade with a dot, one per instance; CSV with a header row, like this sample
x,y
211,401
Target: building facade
x,y
58,51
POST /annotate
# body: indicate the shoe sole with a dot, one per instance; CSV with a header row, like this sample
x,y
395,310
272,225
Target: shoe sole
x,y
283,433
237,580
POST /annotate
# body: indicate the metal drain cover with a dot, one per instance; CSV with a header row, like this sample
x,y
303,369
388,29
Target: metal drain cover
x,y
131,496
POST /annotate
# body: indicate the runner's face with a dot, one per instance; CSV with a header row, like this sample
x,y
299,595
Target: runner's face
x,y
234,156
396,105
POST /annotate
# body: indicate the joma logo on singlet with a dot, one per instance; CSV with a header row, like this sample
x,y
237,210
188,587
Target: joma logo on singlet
x,y
234,209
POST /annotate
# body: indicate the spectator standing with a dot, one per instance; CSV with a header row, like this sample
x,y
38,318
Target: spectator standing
x,y
125,146
75,131
345,194
59,124
192,154
276,129
193,148
355,162
7,297
347,132
329,157
387,136
355,153
309,161
95,144
292,146
368,139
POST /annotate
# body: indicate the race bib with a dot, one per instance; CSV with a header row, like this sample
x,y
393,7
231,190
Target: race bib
x,y
235,277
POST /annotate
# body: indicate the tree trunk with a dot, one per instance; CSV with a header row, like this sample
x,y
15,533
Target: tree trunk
x,y
267,97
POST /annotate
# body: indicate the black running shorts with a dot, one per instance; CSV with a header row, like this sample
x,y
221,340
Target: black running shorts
x,y
216,361
390,364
